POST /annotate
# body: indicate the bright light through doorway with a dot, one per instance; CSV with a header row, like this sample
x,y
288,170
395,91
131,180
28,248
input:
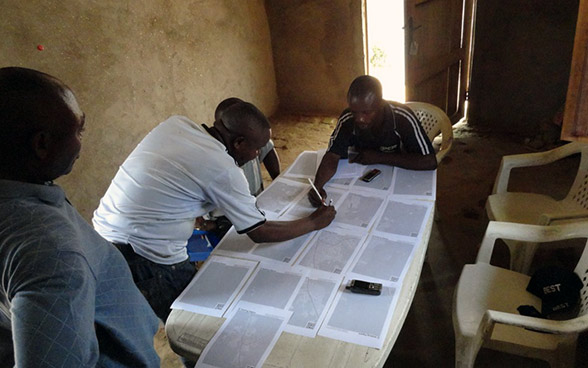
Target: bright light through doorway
x,y
385,42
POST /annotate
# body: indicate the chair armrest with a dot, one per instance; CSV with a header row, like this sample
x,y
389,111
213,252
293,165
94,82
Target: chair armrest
x,y
551,218
531,159
574,325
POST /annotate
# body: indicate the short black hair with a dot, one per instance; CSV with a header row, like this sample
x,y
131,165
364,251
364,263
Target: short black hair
x,y
364,86
30,100
224,104
242,118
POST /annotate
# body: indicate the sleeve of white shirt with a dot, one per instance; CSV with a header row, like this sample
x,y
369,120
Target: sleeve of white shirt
x,y
230,193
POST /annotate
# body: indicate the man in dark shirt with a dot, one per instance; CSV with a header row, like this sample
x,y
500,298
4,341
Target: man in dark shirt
x,y
374,131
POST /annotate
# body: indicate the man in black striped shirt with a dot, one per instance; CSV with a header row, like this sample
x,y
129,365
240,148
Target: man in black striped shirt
x,y
374,131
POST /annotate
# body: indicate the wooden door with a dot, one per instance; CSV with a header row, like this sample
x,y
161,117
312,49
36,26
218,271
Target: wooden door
x,y
575,125
437,39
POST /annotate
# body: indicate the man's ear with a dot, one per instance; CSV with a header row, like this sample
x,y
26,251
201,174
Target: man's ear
x,y
237,142
40,144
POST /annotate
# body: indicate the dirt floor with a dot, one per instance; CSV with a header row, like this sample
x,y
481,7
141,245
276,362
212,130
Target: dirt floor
x,y
465,179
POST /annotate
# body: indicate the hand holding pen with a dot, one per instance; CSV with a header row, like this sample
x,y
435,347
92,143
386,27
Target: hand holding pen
x,y
324,214
317,197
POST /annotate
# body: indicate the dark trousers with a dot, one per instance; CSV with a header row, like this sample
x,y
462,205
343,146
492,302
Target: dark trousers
x,y
160,284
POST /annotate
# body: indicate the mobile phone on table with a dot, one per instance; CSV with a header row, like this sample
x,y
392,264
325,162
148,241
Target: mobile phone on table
x,y
370,175
364,287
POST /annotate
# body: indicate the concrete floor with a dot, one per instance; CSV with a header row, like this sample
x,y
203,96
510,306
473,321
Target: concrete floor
x,y
465,179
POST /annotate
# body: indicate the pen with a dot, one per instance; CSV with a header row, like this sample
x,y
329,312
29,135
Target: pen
x,y
317,192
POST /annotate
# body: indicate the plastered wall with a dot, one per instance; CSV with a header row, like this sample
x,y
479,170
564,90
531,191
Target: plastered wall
x,y
318,51
134,63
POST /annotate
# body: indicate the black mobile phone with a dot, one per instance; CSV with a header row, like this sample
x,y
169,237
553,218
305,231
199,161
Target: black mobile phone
x,y
364,287
370,175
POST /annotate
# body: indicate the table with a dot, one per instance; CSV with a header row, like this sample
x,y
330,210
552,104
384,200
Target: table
x,y
188,332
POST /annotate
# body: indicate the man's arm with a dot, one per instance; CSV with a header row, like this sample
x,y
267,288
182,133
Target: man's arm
x,y
271,162
324,173
411,161
276,231
53,307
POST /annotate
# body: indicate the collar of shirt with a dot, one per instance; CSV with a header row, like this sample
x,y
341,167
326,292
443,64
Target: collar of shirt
x,y
49,193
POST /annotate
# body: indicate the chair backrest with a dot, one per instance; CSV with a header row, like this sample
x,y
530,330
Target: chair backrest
x,y
435,122
582,271
579,189
538,234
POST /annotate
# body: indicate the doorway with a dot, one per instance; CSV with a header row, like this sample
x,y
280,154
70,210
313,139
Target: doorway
x,y
385,46
421,50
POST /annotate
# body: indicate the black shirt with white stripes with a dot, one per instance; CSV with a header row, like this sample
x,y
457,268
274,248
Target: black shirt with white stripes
x,y
400,131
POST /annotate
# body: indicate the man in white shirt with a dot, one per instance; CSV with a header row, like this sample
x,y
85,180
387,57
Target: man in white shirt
x,y
267,155
182,170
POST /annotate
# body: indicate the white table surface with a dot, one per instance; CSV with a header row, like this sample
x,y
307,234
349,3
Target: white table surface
x,y
188,332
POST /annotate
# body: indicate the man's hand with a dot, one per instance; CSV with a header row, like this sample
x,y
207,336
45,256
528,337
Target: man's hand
x,y
315,201
367,157
323,216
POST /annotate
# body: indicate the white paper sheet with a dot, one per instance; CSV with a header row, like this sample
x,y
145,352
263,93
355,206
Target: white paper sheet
x,y
347,170
311,303
234,244
383,258
382,182
272,286
304,166
286,252
215,285
416,184
245,339
358,210
280,195
240,245
343,183
332,249
302,207
404,217
359,318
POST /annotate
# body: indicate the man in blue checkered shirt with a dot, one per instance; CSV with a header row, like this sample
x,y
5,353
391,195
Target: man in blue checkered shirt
x,y
67,298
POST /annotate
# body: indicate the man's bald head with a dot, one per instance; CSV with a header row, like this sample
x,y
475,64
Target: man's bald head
x,y
33,103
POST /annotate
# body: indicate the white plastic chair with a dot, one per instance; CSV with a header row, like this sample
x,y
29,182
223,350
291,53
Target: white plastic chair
x,y
435,122
533,208
486,300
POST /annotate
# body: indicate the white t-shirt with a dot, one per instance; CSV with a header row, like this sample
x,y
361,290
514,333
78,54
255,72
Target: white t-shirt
x,y
177,173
